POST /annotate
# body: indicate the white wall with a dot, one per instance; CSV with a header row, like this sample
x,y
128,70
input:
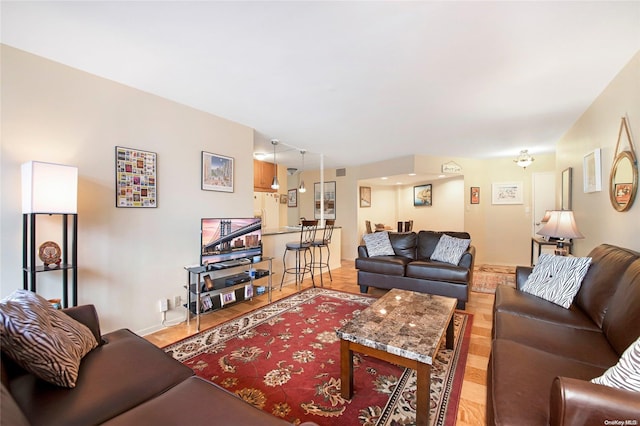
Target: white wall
x,y
128,258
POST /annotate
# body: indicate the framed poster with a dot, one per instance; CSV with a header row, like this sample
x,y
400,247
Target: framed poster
x,y
292,198
592,171
217,172
506,193
365,196
422,195
329,200
136,184
475,195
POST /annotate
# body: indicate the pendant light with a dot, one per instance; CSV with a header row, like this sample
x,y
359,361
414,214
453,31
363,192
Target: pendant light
x,y
274,183
302,188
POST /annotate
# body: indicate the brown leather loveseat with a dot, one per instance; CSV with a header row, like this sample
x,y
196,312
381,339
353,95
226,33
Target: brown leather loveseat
x,y
411,267
126,380
543,356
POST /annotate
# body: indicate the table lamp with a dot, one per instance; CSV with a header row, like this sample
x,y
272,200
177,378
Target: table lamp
x,y
561,225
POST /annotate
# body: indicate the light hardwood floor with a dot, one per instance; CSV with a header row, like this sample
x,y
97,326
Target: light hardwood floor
x,y
471,410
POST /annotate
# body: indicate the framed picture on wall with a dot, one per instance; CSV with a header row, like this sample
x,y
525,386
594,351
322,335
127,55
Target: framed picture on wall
x,y
592,171
136,184
506,193
292,198
475,195
329,200
217,172
365,196
422,195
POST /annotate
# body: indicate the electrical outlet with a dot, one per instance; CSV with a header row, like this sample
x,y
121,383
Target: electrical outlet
x,y
177,302
164,305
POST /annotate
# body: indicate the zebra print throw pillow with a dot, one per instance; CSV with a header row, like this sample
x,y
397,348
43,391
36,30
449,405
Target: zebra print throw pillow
x,y
450,249
378,244
557,278
626,373
42,340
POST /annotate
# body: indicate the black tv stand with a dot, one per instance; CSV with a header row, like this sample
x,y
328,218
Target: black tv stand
x,y
200,300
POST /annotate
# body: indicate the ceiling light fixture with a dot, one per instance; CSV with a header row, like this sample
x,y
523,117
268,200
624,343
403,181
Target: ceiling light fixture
x,y
275,184
525,159
302,188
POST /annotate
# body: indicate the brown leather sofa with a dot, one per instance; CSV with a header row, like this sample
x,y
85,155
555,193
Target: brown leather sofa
x,y
411,268
543,356
126,380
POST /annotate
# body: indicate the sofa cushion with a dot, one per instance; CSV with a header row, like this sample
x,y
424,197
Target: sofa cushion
x,y
588,346
508,299
43,340
114,377
404,244
626,373
378,244
196,402
557,278
598,286
450,249
437,271
386,265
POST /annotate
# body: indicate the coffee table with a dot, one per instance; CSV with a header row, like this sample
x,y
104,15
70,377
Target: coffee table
x,y
402,327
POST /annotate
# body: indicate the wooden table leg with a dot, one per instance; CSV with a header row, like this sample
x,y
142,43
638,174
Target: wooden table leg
x,y
346,370
423,394
449,339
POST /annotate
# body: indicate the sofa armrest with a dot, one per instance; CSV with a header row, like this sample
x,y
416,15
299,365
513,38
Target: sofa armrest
x,y
522,273
362,251
466,261
87,315
580,402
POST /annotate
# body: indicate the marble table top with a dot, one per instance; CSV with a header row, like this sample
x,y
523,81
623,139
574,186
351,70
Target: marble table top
x,y
403,323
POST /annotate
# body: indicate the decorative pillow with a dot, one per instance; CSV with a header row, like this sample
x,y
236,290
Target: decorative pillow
x,y
450,249
378,244
557,278
42,340
626,373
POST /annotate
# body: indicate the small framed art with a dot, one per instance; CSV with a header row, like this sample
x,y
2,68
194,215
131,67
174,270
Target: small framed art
x,y
422,195
292,198
592,171
475,195
329,200
217,172
365,196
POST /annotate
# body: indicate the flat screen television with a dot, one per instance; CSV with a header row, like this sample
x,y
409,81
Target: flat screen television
x,y
229,239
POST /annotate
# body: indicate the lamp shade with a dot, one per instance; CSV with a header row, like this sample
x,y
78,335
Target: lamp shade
x,y
49,188
561,224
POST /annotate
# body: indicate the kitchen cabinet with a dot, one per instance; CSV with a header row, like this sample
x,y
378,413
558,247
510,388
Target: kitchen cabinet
x,y
263,173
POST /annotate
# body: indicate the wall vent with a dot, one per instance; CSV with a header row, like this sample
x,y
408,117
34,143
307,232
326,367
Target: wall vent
x,y
341,172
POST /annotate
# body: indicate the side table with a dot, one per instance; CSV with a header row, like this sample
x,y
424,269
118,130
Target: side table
x,y
542,242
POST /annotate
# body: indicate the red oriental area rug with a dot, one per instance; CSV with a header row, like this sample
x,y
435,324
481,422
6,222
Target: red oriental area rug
x,y
284,358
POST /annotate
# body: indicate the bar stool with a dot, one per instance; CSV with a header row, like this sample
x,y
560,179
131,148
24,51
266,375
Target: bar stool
x,y
301,248
319,244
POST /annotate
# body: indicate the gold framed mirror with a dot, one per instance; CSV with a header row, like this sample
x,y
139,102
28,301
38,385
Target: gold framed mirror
x,y
623,180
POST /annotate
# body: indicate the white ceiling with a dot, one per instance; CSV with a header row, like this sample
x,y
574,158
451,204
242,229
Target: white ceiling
x,y
357,81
